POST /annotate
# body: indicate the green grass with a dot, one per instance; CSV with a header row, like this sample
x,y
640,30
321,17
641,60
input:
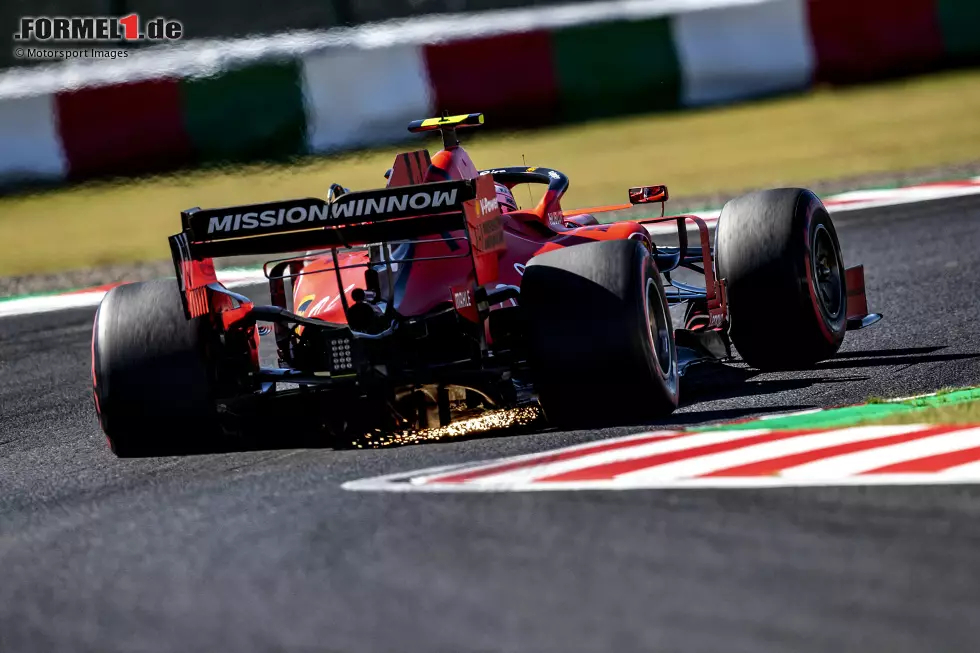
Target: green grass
x,y
962,413
826,134
946,406
940,395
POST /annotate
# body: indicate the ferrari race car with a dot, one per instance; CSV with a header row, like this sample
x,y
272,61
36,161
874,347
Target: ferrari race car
x,y
437,298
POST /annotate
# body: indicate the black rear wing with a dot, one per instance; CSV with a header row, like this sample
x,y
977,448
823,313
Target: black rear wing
x,y
357,218
353,218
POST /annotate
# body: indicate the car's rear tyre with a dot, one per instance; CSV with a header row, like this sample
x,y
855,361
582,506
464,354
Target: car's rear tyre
x,y
779,254
600,339
153,388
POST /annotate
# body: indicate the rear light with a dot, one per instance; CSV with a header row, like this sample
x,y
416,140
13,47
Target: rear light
x,y
341,355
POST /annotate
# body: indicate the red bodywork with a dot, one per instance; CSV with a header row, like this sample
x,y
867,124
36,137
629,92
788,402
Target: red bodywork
x,y
392,312
527,233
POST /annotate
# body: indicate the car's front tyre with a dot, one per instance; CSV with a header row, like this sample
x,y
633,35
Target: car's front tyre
x,y
787,296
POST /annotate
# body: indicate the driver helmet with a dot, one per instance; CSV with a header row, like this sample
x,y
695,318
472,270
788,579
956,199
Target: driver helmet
x,y
506,199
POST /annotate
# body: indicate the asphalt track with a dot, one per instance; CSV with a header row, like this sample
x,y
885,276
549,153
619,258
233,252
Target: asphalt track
x,y
264,550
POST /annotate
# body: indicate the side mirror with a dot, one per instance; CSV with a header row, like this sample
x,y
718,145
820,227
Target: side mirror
x,y
648,194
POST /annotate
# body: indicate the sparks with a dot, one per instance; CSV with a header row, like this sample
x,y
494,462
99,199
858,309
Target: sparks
x,y
491,421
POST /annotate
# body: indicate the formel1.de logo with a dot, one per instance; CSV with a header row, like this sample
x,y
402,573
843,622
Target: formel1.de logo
x,y
99,29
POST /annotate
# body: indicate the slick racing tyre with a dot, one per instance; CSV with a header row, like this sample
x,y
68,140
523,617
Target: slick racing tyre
x,y
600,340
153,389
779,254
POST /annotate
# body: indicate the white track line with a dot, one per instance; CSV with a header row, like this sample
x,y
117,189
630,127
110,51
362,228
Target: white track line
x,y
381,484
859,200
49,303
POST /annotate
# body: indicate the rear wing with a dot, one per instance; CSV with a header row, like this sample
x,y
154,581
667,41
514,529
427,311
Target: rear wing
x,y
357,218
309,223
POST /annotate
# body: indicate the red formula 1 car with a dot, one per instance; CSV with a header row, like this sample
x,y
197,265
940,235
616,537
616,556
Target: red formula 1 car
x,y
436,298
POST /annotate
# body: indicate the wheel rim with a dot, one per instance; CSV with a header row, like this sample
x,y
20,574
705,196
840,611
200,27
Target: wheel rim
x,y
827,280
659,328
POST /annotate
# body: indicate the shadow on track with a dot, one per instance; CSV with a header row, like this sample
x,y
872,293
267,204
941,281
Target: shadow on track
x,y
898,351
702,383
726,381
884,359
712,381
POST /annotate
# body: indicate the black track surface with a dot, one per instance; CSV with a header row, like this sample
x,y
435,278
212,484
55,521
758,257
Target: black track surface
x,y
265,551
